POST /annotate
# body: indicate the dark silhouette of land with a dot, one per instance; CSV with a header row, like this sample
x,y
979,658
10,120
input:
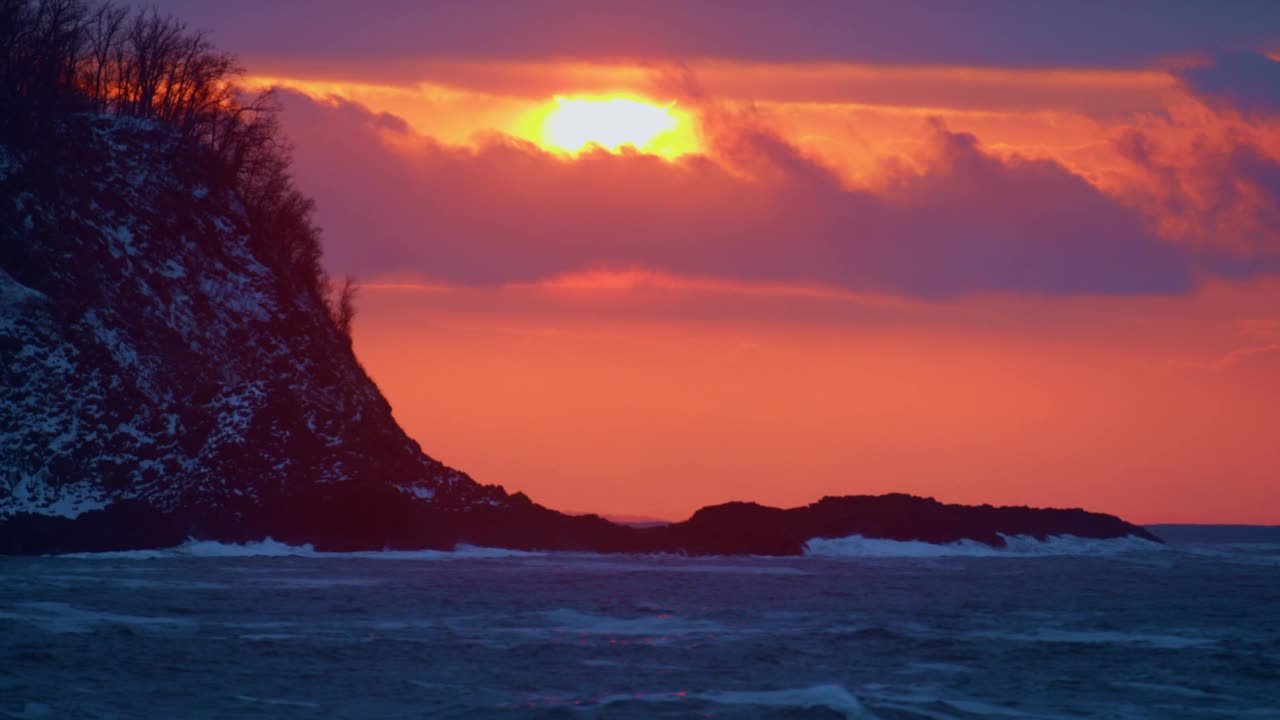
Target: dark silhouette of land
x,y
178,365
364,520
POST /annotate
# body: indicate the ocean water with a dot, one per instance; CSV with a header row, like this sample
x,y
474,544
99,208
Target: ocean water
x,y
858,629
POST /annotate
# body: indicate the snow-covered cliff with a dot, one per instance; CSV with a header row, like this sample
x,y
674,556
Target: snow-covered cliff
x,y
147,354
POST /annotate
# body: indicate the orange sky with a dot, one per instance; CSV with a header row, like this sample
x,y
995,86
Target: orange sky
x,y
1044,286
628,401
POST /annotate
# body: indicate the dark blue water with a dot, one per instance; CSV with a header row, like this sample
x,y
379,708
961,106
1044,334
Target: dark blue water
x,y
874,630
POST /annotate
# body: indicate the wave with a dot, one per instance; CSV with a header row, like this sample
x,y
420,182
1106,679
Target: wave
x,y
274,548
853,546
61,617
1099,637
856,546
831,697
660,626
278,701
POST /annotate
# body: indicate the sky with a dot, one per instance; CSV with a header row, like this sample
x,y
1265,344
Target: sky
x,y
636,258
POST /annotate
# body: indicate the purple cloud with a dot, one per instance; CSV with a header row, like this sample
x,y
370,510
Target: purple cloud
x,y
509,212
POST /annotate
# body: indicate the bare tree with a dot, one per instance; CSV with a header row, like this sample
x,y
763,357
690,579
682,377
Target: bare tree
x,y
344,311
62,55
104,30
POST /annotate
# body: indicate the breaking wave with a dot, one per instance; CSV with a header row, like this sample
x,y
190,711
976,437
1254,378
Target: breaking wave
x,y
274,548
856,546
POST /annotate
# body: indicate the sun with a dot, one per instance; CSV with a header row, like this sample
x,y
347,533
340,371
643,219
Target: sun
x,y
572,124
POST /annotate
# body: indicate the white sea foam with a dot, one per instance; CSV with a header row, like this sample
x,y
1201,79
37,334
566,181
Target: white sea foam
x,y
205,548
856,546
274,548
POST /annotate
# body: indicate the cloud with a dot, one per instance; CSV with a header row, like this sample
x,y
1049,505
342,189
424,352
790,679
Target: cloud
x,y
1218,189
753,209
1247,82
1261,356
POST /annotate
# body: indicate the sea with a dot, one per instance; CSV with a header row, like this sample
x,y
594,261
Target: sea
x,y
857,628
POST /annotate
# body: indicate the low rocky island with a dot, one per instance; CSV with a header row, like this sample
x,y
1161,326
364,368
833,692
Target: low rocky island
x,y
378,521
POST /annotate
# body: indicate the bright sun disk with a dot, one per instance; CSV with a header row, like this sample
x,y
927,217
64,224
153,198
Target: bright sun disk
x,y
573,124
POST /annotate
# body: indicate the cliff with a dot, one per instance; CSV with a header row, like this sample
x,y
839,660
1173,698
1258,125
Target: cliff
x,y
150,354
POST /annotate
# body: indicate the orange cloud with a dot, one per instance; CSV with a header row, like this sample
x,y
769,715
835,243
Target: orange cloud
x,y
1244,355
855,116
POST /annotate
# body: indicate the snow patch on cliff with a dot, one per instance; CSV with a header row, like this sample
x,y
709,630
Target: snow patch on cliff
x,y
69,500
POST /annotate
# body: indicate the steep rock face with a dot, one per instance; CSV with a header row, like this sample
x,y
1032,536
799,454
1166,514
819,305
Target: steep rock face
x,y
147,354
